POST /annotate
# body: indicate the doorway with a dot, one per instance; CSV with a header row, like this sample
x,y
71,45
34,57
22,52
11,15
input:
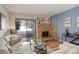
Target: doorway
x,y
26,27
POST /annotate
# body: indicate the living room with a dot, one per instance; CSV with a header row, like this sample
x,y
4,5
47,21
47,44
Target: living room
x,y
39,29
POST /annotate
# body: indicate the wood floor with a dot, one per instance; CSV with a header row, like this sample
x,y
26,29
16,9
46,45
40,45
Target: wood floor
x,y
53,43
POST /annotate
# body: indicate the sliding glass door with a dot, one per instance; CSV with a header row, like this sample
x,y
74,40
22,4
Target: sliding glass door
x,y
26,27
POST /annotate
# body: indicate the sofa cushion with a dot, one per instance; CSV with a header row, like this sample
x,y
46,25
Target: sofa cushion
x,y
67,44
62,51
7,38
74,51
3,48
2,43
67,48
4,51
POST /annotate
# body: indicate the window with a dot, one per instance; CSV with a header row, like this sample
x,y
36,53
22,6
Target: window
x,y
3,22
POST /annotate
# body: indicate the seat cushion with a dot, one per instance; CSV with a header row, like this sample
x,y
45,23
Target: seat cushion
x,y
67,48
2,43
4,51
62,51
66,44
74,51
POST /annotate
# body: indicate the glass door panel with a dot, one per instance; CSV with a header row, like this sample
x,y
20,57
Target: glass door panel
x,y
21,27
30,28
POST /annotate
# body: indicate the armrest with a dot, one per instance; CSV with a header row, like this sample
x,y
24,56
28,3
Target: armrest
x,y
4,51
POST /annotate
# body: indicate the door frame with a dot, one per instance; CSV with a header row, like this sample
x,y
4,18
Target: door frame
x,y
26,23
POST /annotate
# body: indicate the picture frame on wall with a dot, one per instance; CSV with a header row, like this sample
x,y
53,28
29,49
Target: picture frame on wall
x,y
40,20
43,20
77,21
67,22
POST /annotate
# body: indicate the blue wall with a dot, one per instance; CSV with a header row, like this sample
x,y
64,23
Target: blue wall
x,y
58,20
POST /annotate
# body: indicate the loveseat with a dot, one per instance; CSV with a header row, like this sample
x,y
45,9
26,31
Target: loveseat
x,y
67,48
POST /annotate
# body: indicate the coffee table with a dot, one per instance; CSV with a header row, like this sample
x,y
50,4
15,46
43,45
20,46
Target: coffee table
x,y
41,49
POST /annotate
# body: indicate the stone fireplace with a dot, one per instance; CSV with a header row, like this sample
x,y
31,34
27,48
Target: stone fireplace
x,y
45,28
45,31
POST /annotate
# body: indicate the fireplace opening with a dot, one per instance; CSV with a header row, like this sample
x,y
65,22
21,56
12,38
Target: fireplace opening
x,y
45,34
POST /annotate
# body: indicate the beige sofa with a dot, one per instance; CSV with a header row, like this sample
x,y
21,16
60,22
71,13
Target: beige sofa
x,y
7,42
67,48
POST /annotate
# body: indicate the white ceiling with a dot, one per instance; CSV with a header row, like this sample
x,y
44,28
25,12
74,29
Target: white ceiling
x,y
39,9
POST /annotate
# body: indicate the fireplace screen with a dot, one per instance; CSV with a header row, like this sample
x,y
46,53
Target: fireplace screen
x,y
45,34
